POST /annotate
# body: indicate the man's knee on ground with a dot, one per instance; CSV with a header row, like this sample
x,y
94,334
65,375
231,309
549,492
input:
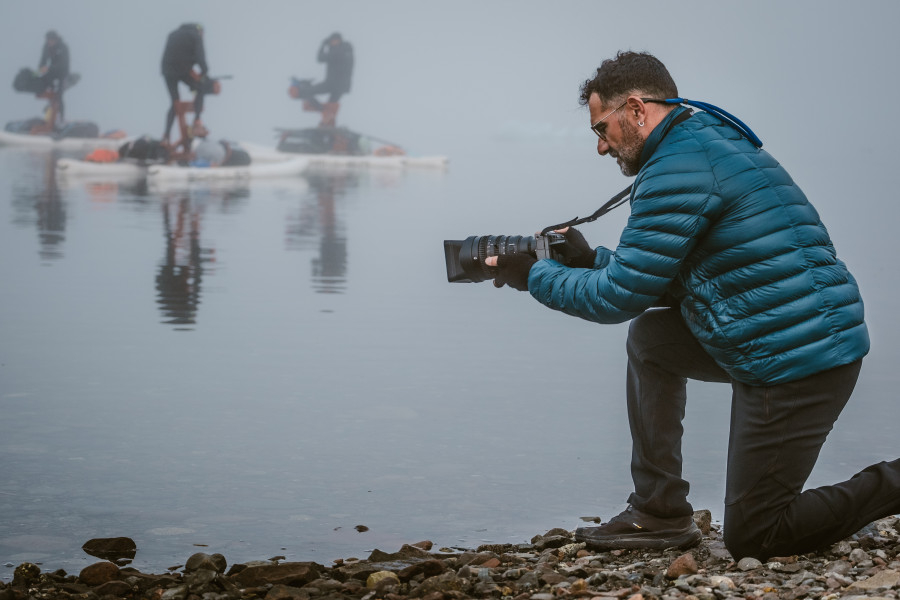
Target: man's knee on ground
x,y
741,543
743,539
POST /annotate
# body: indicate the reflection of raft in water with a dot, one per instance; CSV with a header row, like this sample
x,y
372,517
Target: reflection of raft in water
x,y
336,147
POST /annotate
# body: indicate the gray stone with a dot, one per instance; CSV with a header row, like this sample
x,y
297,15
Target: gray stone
x,y
858,555
840,567
842,548
211,562
883,579
175,593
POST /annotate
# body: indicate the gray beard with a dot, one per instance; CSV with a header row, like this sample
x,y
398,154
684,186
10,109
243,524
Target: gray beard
x,y
629,154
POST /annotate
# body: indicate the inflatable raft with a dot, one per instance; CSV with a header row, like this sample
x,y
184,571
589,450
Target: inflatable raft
x,y
86,168
68,144
285,167
256,170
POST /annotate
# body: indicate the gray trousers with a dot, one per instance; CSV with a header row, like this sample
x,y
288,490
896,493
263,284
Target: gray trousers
x,y
776,434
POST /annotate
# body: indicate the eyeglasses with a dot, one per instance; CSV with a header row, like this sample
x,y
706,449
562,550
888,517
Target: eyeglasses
x,y
601,131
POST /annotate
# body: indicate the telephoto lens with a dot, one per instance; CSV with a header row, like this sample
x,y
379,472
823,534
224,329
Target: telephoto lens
x,y
465,258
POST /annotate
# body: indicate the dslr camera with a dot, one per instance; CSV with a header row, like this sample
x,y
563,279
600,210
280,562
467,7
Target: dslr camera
x,y
465,258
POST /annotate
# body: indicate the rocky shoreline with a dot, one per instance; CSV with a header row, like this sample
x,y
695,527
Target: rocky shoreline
x,y
552,566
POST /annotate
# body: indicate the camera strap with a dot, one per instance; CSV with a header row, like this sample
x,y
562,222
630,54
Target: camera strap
x,y
614,202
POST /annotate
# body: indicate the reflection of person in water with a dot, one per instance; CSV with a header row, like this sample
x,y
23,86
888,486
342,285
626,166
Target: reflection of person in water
x,y
48,208
329,268
181,272
185,263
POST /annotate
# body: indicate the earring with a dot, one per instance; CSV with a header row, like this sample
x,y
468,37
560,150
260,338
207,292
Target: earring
x,y
640,123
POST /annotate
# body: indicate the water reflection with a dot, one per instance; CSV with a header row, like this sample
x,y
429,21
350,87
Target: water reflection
x,y
37,201
186,259
181,270
317,226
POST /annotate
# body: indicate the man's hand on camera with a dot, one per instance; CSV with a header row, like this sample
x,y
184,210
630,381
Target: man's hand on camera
x,y
512,270
577,251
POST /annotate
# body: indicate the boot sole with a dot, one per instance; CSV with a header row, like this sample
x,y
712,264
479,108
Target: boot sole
x,y
656,541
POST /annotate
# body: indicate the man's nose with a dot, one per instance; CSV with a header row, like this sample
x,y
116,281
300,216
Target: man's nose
x,y
602,147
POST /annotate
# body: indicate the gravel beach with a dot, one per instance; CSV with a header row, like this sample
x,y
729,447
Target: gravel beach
x,y
552,566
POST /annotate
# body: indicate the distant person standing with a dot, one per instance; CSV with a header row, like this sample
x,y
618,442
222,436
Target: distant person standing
x,y
54,69
337,54
184,49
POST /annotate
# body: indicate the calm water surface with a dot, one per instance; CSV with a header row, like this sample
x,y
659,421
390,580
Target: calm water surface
x,y
257,370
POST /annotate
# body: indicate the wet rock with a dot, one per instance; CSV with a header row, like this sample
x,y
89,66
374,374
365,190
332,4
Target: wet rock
x,y
200,578
26,574
444,583
201,560
113,588
286,592
423,545
428,568
113,549
99,573
552,539
290,573
405,552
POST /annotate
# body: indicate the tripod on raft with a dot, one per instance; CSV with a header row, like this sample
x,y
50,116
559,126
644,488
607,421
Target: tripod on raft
x,y
182,150
51,113
327,137
52,123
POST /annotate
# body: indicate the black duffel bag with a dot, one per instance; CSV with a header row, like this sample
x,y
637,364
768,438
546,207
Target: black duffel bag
x,y
145,150
27,80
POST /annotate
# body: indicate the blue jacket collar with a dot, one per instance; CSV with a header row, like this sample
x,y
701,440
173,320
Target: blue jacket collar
x,y
659,132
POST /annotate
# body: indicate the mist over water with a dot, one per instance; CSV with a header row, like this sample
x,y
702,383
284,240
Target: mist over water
x,y
260,368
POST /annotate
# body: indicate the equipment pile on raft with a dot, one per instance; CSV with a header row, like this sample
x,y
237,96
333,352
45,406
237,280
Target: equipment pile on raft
x,y
329,145
45,131
193,157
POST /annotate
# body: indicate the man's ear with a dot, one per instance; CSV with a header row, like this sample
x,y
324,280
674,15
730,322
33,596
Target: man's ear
x,y
636,108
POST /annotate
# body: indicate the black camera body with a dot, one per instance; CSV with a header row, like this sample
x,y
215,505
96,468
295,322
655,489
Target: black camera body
x,y
465,258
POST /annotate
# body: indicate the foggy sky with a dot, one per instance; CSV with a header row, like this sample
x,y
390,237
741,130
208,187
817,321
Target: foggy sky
x,y
810,77
450,72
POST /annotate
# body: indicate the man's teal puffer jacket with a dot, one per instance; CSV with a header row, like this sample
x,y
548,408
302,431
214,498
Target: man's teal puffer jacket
x,y
719,229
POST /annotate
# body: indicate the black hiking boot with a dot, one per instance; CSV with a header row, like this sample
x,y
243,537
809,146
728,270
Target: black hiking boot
x,y
635,529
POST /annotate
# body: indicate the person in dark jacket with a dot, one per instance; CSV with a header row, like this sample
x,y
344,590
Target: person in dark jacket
x,y
184,49
727,274
337,54
54,69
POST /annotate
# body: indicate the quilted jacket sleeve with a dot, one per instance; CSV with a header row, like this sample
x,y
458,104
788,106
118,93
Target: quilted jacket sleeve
x,y
671,209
